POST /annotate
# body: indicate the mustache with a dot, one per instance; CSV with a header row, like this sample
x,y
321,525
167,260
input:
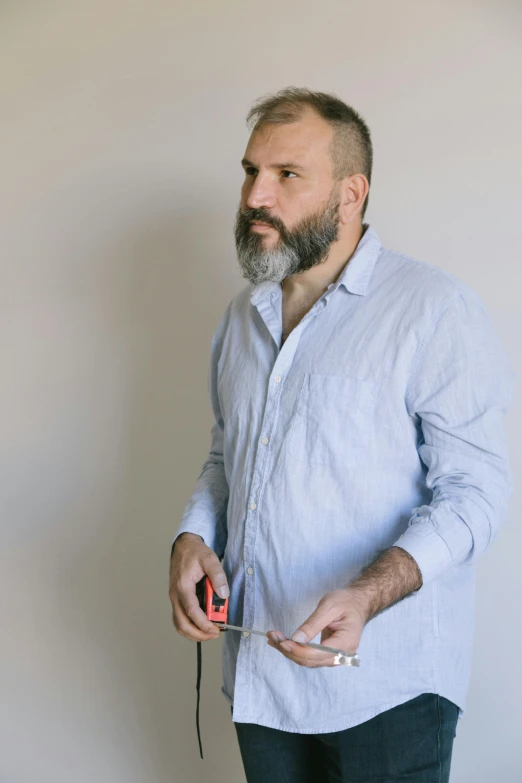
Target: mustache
x,y
262,215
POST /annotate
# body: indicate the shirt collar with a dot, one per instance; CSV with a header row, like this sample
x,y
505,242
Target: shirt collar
x,y
355,276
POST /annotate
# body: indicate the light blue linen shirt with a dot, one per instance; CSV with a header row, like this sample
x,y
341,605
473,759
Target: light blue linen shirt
x,y
380,421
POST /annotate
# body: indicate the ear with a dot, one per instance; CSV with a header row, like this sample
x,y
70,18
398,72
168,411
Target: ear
x,y
354,190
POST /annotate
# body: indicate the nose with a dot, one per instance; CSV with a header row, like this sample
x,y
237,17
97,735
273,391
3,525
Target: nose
x,y
260,193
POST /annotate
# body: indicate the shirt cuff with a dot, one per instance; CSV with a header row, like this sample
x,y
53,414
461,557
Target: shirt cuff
x,y
199,528
428,549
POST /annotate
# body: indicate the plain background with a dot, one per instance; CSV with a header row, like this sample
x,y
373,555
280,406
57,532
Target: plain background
x,y
122,128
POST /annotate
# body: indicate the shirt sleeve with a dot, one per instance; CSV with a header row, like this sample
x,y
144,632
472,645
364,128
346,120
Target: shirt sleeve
x,y
206,511
460,388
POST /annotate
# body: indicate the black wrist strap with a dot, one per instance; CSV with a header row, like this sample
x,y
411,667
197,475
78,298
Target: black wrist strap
x,y
198,683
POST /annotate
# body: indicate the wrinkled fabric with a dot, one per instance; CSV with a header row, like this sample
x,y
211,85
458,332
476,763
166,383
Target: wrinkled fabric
x,y
379,422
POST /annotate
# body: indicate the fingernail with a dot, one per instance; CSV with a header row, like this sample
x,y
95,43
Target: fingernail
x,y
299,636
285,646
223,592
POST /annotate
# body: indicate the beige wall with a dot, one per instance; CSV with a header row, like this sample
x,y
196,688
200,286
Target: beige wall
x,y
122,127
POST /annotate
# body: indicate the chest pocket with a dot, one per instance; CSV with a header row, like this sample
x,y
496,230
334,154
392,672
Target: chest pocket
x,y
333,420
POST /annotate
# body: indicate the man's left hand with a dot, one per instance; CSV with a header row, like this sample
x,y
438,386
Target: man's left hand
x,y
340,618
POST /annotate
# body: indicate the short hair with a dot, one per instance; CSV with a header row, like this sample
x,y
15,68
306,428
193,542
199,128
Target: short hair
x,y
351,149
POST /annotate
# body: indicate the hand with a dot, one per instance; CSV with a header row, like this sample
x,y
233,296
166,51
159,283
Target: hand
x,y
191,560
340,618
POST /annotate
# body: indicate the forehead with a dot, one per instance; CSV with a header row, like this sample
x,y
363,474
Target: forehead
x,y
306,141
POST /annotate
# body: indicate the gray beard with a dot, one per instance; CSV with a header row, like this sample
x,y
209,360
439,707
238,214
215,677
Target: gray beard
x,y
296,251
273,265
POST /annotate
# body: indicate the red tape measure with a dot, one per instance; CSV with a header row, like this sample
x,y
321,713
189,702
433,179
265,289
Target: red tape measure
x,y
216,610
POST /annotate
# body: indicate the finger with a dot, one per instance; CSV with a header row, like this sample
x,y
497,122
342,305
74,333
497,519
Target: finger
x,y
304,656
198,618
189,629
346,640
317,622
192,632
217,576
189,614
276,636
185,627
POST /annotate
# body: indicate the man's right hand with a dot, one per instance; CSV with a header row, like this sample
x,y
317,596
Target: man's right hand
x,y
191,560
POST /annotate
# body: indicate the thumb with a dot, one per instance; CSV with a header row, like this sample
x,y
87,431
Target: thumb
x,y
214,570
318,620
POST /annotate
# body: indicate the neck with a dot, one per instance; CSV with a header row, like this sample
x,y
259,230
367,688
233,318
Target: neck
x,y
314,282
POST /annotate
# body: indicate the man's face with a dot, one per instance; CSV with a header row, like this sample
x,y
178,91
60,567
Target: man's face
x,y
289,211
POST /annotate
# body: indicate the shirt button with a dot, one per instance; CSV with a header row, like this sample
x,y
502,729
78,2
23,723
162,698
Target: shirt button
x,y
253,506
246,633
250,570
264,441
277,379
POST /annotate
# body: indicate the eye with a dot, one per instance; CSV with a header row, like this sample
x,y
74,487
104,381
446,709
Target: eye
x,y
288,174
250,171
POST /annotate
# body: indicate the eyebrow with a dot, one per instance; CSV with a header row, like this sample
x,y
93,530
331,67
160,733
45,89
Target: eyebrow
x,y
290,165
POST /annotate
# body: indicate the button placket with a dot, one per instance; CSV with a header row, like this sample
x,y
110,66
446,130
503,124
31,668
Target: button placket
x,y
284,359
275,388
280,370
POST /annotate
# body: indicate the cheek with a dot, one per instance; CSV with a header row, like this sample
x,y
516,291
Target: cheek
x,y
300,204
308,200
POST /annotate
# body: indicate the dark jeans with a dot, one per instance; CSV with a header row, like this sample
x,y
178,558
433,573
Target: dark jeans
x,y
411,743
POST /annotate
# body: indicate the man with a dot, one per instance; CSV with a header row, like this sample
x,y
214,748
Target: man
x,y
358,464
